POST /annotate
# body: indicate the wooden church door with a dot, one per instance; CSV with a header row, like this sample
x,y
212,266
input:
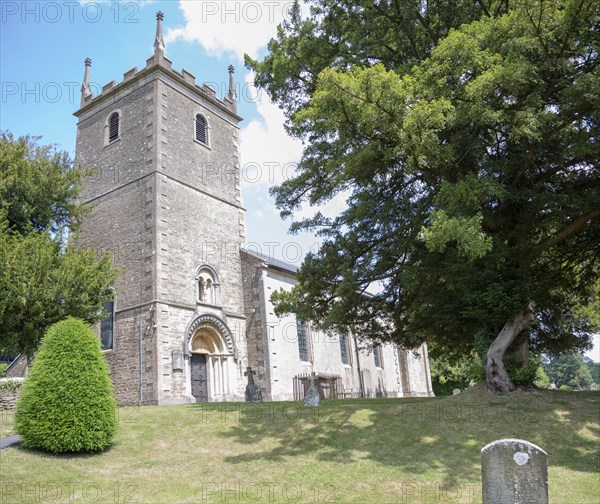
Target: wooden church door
x,y
199,377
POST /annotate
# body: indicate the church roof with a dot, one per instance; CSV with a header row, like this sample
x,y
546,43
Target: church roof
x,y
273,262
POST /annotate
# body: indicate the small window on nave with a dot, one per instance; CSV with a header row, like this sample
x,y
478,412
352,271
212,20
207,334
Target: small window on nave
x,y
377,357
344,349
303,347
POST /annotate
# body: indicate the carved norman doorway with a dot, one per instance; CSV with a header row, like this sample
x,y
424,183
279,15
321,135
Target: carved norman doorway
x,y
212,367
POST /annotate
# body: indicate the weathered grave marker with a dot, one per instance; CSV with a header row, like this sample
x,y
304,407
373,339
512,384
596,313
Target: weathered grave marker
x,y
312,397
514,471
253,393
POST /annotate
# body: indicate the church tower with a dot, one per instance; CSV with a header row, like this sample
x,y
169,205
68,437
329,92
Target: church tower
x,y
166,202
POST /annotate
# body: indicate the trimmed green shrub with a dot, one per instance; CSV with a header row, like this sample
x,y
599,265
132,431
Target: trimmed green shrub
x,y
67,402
565,388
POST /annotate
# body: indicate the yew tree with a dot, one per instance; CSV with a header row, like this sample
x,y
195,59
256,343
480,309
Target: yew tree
x,y
465,138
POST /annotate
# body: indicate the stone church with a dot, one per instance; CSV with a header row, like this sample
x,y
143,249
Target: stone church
x,y
192,308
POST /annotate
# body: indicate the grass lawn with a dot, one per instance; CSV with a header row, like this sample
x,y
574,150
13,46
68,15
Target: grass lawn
x,y
355,450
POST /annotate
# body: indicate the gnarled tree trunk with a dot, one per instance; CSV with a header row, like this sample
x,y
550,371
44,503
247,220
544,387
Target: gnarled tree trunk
x,y
498,381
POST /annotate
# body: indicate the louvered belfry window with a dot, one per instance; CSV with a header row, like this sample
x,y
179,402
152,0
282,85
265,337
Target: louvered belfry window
x,y
113,127
201,130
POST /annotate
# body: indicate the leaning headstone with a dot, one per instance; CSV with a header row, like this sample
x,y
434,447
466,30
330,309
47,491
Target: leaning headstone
x,y
514,471
253,393
312,398
456,391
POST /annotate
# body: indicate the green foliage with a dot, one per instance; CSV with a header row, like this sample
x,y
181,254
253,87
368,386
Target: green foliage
x,y
568,369
42,279
565,388
38,186
3,370
67,402
446,374
464,138
594,368
523,374
10,386
541,378
470,240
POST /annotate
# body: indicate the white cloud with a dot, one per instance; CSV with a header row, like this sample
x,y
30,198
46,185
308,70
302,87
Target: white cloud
x,y
230,26
269,154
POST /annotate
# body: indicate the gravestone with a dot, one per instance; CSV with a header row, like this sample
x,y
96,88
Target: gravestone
x,y
514,471
253,393
594,386
312,398
456,391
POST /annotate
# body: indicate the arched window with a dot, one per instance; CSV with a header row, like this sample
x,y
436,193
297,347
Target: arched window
x,y
114,124
344,349
207,286
107,326
201,129
377,357
303,342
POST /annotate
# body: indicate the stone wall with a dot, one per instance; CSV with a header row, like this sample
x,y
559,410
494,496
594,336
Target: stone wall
x,y
121,194
199,222
9,392
124,358
274,355
257,332
8,401
163,205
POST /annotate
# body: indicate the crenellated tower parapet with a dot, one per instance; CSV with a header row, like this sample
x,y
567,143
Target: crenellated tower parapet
x,y
157,62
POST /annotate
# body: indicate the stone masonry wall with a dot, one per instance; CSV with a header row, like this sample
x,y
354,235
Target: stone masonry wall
x,y
258,350
164,205
122,194
199,221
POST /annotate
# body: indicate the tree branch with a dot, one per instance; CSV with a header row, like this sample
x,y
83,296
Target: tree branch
x,y
570,229
485,9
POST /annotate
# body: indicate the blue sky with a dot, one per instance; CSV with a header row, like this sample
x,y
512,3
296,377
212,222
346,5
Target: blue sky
x,y
43,45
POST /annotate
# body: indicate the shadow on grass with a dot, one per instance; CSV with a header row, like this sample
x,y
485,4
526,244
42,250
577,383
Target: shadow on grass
x,y
419,436
40,452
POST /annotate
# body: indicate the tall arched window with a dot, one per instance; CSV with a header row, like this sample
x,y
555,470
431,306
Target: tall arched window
x,y
344,349
303,341
377,356
201,129
107,326
113,127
